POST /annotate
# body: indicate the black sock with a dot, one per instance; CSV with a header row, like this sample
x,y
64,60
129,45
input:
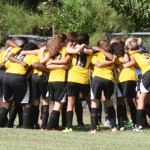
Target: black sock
x,y
57,120
79,112
12,116
93,118
63,113
27,112
35,115
140,113
112,116
53,119
125,113
20,114
45,114
120,115
133,112
3,117
99,114
69,116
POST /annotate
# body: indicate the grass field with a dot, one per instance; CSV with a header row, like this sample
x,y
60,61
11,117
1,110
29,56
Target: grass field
x,y
26,139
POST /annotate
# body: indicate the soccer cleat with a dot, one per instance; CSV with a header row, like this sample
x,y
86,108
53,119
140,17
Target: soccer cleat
x,y
140,128
67,130
128,123
98,127
134,127
80,125
107,123
122,129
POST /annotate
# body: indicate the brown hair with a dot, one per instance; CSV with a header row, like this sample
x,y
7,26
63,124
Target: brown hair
x,y
103,44
55,44
72,37
118,48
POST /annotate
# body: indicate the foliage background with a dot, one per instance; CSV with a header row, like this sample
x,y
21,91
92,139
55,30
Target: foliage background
x,y
47,17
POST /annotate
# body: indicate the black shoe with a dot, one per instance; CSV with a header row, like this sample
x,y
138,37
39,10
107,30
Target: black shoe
x,y
80,125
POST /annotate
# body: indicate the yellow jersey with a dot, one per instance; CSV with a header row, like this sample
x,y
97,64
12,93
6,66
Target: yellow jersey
x,y
17,68
6,53
141,61
58,75
79,70
103,72
38,60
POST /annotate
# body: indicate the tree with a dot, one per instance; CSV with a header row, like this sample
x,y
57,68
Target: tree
x,y
80,15
135,13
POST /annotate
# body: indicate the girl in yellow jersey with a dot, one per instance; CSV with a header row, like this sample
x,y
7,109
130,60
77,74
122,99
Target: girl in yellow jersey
x,y
16,78
11,47
143,86
126,82
39,89
102,80
78,76
57,77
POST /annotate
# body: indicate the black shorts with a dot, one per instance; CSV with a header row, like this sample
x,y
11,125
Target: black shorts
x,y
2,72
16,87
39,86
99,85
73,89
127,89
57,91
143,84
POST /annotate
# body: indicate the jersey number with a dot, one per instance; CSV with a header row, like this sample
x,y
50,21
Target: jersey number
x,y
81,60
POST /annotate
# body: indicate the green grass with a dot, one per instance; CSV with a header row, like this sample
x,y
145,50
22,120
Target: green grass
x,y
26,139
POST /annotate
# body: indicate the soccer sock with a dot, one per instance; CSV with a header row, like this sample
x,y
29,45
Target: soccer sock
x,y
35,115
56,125
133,112
79,112
125,118
12,116
93,118
63,113
27,117
139,115
3,116
20,114
53,119
99,114
120,115
45,114
112,116
69,116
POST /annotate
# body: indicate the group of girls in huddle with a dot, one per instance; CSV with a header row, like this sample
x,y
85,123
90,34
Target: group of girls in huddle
x,y
63,70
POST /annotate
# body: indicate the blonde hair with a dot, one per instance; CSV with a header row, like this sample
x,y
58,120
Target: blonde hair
x,y
132,45
139,41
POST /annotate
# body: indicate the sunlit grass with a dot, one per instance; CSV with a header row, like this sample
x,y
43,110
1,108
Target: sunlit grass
x,y
79,139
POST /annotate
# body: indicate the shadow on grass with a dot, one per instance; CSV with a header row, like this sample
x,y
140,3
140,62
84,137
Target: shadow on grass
x,y
87,127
